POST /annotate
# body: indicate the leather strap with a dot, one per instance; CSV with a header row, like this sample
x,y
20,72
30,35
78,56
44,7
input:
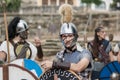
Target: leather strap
x,y
62,65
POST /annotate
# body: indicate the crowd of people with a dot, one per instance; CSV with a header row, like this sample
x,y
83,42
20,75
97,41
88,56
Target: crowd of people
x,y
73,57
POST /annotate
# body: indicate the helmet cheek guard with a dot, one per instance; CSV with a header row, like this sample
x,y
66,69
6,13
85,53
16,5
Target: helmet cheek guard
x,y
22,28
24,35
69,28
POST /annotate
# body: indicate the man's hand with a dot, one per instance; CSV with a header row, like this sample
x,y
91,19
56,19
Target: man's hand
x,y
118,57
37,41
46,65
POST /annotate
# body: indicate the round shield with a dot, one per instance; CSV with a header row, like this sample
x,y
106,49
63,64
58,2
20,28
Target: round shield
x,y
29,65
1,72
110,72
59,74
22,50
13,71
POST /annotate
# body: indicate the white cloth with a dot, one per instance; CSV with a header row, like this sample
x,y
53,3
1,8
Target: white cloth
x,y
115,58
3,47
116,48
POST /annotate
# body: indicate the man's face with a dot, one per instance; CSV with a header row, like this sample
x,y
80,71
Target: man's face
x,y
24,34
68,39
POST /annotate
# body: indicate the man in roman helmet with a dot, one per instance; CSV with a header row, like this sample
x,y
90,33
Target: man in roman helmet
x,y
73,57
18,44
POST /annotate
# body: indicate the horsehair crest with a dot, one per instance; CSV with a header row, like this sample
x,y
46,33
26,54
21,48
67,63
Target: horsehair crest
x,y
66,12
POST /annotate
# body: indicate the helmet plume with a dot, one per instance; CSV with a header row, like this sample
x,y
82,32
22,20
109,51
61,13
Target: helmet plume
x,y
66,12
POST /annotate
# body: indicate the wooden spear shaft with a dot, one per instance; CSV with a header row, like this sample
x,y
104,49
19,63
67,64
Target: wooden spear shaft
x,y
6,29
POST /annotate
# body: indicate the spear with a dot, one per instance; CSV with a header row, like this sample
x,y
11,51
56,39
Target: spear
x,y
6,29
85,29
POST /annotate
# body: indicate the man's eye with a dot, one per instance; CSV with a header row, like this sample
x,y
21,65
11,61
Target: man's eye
x,y
64,36
70,35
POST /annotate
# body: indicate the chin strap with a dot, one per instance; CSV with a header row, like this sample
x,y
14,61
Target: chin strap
x,y
62,65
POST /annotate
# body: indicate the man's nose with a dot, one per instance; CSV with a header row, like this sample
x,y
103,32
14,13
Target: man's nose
x,y
67,38
28,31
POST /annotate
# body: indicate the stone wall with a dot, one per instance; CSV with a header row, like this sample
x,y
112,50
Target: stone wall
x,y
50,26
50,21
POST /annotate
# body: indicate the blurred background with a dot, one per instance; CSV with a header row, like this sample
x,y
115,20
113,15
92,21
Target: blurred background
x,y
44,20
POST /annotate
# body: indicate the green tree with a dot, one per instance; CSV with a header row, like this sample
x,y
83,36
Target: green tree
x,y
114,4
89,2
97,2
11,5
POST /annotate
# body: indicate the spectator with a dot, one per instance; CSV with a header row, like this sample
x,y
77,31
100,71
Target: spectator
x,y
100,49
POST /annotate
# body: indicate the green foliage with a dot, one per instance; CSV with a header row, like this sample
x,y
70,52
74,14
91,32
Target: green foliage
x,y
12,5
86,1
116,0
97,2
114,4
